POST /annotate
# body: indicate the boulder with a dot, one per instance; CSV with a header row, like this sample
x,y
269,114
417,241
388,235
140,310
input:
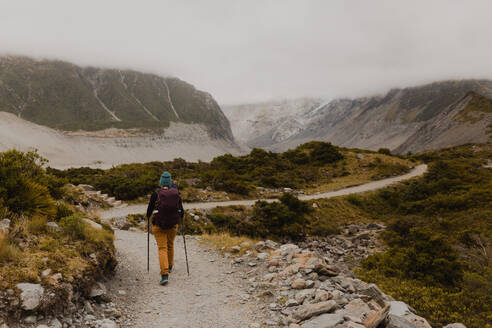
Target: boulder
x,y
92,223
395,321
53,227
374,293
327,320
31,295
399,308
307,311
356,309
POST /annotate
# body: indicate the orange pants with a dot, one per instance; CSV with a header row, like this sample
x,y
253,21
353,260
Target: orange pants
x,y
165,244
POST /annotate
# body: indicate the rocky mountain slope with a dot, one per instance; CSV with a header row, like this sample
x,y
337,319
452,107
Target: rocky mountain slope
x,y
68,97
431,116
111,147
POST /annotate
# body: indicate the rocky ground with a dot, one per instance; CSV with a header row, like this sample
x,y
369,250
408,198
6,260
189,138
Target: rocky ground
x,y
309,284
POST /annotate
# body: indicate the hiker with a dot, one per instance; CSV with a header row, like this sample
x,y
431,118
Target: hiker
x,y
167,202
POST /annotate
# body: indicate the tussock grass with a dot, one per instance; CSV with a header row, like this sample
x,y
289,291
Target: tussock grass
x,y
8,252
224,241
37,224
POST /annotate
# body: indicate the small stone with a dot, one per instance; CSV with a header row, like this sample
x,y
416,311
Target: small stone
x,y
455,325
254,325
97,290
252,264
31,319
122,292
42,326
291,302
45,273
298,284
245,244
106,323
307,311
55,323
263,256
235,249
5,226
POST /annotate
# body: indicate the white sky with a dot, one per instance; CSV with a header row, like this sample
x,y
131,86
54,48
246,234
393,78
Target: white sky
x,y
258,50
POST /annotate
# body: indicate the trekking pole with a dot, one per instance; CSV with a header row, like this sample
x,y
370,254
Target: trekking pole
x,y
186,253
148,249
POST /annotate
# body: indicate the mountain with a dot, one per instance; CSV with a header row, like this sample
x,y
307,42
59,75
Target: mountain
x,y
64,96
430,116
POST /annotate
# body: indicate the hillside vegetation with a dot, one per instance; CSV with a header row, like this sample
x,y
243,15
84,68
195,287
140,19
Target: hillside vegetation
x,y
67,97
315,166
438,253
43,237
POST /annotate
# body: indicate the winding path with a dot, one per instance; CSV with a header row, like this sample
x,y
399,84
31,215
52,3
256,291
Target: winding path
x,y
374,185
212,296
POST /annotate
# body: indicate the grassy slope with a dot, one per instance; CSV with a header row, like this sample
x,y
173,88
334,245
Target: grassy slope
x,y
30,198
240,176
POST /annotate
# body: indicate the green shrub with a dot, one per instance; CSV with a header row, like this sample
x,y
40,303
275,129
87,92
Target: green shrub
x,y
384,151
74,227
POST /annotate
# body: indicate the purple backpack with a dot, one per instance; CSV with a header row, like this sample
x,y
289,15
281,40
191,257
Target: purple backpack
x,y
167,206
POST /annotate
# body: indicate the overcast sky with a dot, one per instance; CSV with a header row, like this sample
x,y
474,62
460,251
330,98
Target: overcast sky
x,y
248,50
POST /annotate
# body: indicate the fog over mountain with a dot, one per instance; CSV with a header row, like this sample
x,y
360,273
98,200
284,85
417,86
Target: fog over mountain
x,y
251,51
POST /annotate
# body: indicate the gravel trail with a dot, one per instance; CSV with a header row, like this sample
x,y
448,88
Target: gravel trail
x,y
374,185
211,296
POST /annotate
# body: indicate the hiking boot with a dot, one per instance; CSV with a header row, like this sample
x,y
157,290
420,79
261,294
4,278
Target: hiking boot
x,y
170,269
164,280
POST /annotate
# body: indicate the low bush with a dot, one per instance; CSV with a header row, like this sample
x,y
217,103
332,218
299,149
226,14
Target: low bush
x,y
8,252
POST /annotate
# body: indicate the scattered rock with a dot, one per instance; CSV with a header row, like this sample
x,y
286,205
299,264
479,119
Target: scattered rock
x,y
45,273
31,295
105,323
122,223
98,290
263,256
298,284
307,311
327,320
235,249
374,320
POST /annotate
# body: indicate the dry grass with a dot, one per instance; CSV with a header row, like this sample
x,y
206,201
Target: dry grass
x,y
37,224
8,252
224,241
359,171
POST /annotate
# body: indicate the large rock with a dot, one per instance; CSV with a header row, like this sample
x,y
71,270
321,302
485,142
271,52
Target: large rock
x,y
395,321
92,223
374,293
307,311
327,320
357,308
31,295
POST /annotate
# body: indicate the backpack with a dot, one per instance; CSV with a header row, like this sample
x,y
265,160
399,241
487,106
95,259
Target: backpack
x,y
167,206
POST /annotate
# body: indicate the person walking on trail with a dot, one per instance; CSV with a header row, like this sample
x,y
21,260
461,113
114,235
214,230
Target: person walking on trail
x,y
167,202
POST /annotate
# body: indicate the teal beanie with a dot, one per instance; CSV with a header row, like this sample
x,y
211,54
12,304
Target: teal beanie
x,y
165,179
